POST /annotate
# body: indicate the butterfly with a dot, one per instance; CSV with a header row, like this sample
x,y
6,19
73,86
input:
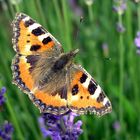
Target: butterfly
x,y
48,75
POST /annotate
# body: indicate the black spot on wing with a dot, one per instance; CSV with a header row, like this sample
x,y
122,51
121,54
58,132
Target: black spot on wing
x,y
83,78
75,89
92,87
63,92
35,47
107,104
46,40
29,22
101,97
32,59
38,31
81,97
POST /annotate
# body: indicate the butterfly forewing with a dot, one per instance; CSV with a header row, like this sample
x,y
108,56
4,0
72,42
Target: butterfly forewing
x,y
30,37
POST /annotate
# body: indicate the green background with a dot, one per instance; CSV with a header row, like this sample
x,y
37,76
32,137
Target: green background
x,y
119,77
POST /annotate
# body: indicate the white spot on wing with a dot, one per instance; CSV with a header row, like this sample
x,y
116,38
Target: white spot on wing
x,y
105,101
96,93
86,83
41,37
33,26
27,48
26,18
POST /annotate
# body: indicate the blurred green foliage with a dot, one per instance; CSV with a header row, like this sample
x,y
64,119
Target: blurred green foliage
x,y
97,39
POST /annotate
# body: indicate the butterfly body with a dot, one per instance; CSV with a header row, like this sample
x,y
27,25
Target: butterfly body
x,y
49,76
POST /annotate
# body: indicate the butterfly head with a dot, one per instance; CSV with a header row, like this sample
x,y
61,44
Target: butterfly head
x,y
64,60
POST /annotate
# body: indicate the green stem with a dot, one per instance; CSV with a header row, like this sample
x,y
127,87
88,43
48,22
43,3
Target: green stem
x,y
138,12
17,8
85,134
11,9
59,18
19,133
90,13
40,12
66,23
121,69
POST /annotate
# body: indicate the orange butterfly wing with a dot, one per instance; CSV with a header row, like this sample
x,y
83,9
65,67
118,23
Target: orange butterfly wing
x,y
30,41
30,37
85,95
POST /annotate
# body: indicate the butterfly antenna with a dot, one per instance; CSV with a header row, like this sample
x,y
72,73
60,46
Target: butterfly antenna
x,y
78,28
104,58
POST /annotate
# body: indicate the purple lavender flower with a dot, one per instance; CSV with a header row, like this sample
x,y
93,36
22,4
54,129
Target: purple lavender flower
x,y
76,8
120,6
60,127
105,49
120,28
116,126
137,42
6,131
2,99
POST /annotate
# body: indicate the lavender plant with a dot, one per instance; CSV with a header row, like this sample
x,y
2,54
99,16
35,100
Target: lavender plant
x,y
6,129
2,99
60,127
119,7
137,42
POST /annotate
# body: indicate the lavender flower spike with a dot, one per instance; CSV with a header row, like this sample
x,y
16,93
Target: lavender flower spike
x,y
6,131
137,42
116,126
119,6
120,28
2,99
60,127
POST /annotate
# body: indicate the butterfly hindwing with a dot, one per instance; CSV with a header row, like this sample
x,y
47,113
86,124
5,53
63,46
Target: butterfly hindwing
x,y
30,37
85,95
48,103
45,101
21,73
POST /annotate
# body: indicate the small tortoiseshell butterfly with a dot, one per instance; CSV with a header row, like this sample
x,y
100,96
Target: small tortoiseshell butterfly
x,y
48,75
